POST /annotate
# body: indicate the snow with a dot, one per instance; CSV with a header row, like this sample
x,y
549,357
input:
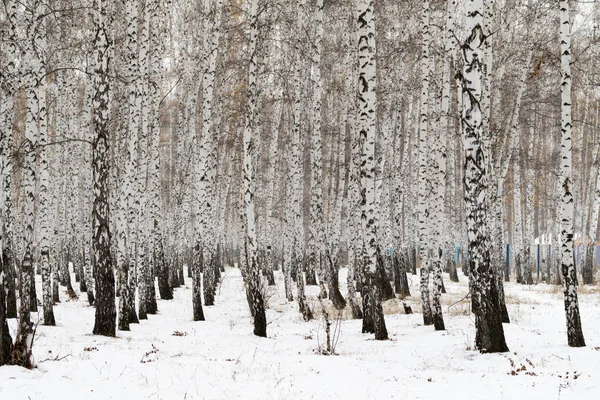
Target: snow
x,y
221,359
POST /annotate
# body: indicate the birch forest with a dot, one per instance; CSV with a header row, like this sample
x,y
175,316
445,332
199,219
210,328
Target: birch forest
x,y
394,183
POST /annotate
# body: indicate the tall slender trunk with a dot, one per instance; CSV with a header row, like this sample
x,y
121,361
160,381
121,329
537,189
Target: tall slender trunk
x,y
7,249
88,193
367,98
517,199
574,331
423,204
315,236
105,321
155,240
488,324
252,263
143,253
44,205
126,214
22,352
272,169
207,162
529,192
6,120
445,157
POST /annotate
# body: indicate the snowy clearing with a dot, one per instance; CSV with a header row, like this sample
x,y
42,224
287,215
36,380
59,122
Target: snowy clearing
x,y
170,357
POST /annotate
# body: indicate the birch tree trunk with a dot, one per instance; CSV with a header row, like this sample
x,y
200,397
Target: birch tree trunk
x,y
423,206
296,254
7,280
126,215
270,220
6,343
200,147
400,261
105,321
87,186
44,206
253,269
353,213
488,324
574,331
8,257
206,184
446,160
315,237
144,255
22,353
367,99
529,180
518,242
155,240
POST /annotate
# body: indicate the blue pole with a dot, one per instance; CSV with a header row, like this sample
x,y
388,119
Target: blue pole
x,y
538,261
507,259
456,250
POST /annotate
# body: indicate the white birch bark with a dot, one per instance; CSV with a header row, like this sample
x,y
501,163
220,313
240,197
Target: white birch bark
x,y
87,236
367,99
573,319
105,318
276,60
44,204
253,269
489,330
25,332
145,274
315,238
11,51
529,192
518,246
423,204
127,213
206,158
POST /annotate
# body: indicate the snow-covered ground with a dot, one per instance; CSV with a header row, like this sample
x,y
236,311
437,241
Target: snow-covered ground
x,y
171,357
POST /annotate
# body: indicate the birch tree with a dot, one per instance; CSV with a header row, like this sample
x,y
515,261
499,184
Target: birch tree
x,y
44,200
155,242
574,331
489,331
126,214
373,320
105,321
256,300
206,183
423,206
8,81
587,270
22,351
315,238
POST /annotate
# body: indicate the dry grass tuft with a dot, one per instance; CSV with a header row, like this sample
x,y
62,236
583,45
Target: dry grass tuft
x,y
316,307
